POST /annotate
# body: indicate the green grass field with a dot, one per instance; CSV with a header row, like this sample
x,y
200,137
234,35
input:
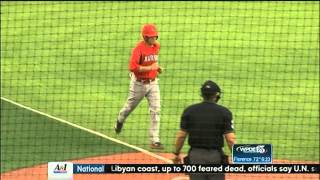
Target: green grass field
x,y
28,138
69,60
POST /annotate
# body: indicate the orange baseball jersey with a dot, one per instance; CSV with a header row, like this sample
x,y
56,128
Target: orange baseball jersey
x,y
144,55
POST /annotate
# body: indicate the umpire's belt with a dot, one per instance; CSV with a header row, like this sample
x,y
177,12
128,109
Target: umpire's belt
x,y
145,81
207,148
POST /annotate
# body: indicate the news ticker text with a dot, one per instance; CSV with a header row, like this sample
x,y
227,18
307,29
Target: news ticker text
x,y
195,168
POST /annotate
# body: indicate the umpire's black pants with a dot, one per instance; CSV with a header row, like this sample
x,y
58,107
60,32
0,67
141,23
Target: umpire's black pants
x,y
205,156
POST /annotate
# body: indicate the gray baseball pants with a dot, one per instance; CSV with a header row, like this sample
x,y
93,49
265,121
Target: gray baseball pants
x,y
205,156
151,91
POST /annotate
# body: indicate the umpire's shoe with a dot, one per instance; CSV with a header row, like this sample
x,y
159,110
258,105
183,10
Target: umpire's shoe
x,y
118,127
156,145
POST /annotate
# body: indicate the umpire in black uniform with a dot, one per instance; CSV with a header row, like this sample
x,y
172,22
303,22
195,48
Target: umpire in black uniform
x,y
206,124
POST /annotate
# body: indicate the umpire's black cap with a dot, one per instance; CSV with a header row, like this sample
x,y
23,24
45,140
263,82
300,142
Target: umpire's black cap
x,y
210,87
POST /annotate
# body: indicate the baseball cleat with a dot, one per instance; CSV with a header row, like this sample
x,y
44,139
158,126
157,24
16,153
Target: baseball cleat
x,y
156,145
118,127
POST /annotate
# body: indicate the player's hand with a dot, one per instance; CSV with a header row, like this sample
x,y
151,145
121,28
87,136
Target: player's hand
x,y
160,69
177,159
154,66
229,160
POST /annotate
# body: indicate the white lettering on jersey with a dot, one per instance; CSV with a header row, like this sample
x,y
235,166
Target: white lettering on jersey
x,y
151,58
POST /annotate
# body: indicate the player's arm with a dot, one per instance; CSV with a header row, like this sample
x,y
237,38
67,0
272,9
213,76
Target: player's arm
x,y
230,139
182,133
229,134
152,67
180,138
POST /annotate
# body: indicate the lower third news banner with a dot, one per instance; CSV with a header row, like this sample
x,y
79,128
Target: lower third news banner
x,y
195,168
65,170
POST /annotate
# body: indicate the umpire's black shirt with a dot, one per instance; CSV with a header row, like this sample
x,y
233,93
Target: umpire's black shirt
x,y
206,123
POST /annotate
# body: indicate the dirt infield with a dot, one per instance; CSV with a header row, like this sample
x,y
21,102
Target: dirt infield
x,y
39,172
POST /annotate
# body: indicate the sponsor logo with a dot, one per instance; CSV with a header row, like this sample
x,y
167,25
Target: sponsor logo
x,y
60,168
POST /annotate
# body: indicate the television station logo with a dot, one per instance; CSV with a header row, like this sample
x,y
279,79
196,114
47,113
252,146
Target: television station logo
x,y
252,153
260,149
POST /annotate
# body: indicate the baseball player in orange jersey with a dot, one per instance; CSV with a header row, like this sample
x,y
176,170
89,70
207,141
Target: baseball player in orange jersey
x,y
144,83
